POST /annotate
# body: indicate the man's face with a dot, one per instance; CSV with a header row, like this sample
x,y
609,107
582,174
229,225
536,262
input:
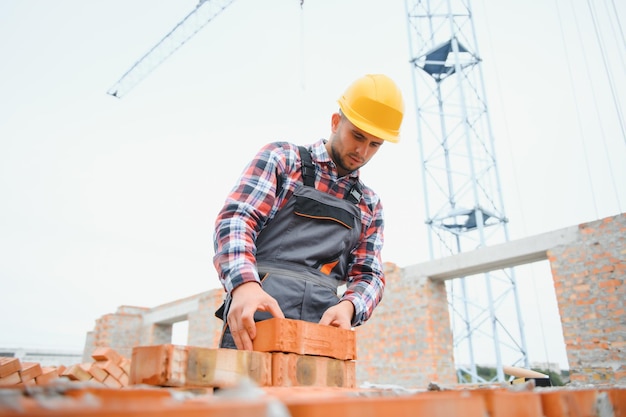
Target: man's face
x,y
350,147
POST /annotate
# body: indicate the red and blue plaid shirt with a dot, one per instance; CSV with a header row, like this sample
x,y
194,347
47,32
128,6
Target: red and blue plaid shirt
x,y
254,201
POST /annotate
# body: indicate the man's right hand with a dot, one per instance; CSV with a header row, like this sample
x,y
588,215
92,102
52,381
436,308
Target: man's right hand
x,y
247,299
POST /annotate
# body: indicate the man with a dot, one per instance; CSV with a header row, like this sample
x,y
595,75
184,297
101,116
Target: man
x,y
299,223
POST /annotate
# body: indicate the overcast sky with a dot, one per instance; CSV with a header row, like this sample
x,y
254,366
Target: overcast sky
x,y
108,202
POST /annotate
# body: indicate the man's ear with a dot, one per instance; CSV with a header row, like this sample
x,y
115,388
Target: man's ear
x,y
334,122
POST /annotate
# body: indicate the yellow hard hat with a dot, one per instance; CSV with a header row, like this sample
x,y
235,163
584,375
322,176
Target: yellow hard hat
x,y
374,104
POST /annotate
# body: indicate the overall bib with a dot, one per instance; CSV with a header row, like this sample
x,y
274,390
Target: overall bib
x,y
303,253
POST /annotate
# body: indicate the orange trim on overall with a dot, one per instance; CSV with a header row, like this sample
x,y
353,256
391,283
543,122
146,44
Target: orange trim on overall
x,y
327,268
323,218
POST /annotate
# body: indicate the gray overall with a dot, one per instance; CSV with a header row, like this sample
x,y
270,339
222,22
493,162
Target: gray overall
x,y
303,253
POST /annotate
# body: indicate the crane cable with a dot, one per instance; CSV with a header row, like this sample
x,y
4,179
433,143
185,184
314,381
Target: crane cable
x,y
507,132
507,135
595,101
609,76
576,107
621,36
302,46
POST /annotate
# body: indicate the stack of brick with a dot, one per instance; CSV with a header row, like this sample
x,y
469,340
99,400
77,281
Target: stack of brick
x,y
13,372
308,354
109,368
286,353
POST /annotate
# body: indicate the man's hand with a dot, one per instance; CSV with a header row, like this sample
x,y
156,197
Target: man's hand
x,y
246,300
339,315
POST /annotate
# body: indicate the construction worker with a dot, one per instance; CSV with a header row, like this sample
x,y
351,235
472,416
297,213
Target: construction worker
x,y
299,223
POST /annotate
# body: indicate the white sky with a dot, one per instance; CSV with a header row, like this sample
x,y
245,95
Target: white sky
x,y
108,202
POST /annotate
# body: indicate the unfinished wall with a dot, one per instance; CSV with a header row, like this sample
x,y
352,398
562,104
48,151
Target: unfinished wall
x,y
408,341
589,283
204,328
119,330
137,326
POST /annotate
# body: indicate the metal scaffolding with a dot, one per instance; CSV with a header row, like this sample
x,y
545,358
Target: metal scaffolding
x,y
461,185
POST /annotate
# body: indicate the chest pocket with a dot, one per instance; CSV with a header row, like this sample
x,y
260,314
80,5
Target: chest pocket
x,y
313,229
312,209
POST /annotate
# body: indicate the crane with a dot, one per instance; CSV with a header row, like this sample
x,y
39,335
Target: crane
x,y
203,13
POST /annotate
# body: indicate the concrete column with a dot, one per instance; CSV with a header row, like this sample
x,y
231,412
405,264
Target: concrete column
x,y
407,341
120,331
204,328
589,279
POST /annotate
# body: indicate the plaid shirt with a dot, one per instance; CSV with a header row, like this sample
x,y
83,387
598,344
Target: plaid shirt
x,y
254,201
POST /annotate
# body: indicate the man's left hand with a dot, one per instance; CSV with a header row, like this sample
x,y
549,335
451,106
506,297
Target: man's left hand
x,y
339,315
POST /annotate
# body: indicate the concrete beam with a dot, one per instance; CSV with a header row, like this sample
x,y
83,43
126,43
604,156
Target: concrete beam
x,y
172,312
491,258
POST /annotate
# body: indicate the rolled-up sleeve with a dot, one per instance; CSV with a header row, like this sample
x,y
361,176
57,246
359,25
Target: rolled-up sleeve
x,y
366,280
247,208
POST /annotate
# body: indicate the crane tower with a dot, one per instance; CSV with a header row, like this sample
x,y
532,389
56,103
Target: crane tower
x,y
461,185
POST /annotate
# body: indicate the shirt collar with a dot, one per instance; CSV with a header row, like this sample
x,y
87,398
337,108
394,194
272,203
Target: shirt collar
x,y
319,154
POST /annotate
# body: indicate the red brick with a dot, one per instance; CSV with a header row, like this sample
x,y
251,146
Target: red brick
x,y
30,370
124,380
138,402
11,379
189,366
304,338
505,403
106,354
111,382
48,374
76,373
617,397
440,404
95,371
9,366
293,370
568,403
125,365
28,383
111,368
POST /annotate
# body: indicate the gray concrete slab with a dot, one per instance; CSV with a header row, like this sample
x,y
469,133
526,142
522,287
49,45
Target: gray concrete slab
x,y
496,257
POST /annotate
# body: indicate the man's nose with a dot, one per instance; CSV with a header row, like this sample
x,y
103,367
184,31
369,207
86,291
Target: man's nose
x,y
361,149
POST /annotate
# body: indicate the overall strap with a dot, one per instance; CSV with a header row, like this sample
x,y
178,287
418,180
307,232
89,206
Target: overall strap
x,y
308,169
355,193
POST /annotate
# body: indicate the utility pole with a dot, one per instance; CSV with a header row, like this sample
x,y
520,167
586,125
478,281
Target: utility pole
x,y
461,184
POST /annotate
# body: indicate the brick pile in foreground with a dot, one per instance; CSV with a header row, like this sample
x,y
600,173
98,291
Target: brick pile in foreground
x,y
296,369
108,368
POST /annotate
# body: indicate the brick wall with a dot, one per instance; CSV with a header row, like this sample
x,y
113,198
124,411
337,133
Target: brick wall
x,y
408,341
127,327
204,328
119,331
589,284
